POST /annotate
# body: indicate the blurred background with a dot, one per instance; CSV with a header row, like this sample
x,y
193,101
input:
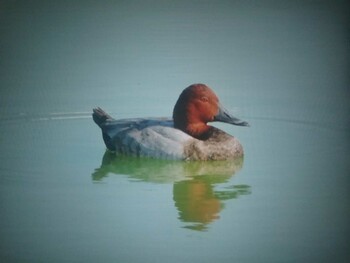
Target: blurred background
x,y
72,55
283,66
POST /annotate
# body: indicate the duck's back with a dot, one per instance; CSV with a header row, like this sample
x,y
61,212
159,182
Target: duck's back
x,y
153,137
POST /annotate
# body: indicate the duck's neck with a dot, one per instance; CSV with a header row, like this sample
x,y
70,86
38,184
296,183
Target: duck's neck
x,y
191,125
199,131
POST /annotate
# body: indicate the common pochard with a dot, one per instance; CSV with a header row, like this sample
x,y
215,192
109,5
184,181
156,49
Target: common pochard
x,y
186,136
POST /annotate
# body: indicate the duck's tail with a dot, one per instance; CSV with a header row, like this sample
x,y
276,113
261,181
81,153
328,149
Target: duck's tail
x,y
100,116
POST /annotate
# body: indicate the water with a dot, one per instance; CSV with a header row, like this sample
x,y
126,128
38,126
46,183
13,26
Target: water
x,y
280,66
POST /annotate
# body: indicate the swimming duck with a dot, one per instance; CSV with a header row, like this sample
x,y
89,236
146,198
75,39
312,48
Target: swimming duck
x,y
186,136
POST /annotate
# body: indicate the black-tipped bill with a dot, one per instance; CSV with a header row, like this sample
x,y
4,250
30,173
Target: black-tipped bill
x,y
224,116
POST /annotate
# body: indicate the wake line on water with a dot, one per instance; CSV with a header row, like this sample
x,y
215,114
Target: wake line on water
x,y
46,117
80,115
311,123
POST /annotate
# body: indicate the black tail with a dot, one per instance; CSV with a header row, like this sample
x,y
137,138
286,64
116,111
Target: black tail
x,y
100,116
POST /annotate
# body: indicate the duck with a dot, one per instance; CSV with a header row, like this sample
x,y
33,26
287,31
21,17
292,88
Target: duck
x,y
186,136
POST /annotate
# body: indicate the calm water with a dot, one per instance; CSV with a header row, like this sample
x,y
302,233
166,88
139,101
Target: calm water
x,y
283,67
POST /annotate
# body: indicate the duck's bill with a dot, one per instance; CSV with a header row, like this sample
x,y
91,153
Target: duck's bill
x,y
224,116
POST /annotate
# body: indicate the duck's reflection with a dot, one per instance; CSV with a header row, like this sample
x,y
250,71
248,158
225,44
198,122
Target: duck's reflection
x,y
198,190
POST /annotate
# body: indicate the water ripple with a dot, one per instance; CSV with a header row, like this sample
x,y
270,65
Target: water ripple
x,y
314,123
45,117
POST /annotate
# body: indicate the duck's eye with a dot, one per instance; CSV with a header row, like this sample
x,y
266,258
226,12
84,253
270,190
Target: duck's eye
x,y
204,99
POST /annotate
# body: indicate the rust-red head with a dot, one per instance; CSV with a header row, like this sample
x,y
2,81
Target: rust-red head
x,y
198,105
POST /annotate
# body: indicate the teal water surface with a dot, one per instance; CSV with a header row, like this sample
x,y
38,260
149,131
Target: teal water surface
x,y
280,65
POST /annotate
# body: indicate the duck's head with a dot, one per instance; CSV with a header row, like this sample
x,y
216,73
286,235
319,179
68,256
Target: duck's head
x,y
198,105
